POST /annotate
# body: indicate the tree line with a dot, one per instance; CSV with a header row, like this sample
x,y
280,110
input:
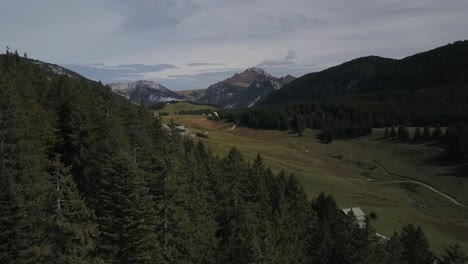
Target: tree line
x,y
442,105
454,137
88,177
354,116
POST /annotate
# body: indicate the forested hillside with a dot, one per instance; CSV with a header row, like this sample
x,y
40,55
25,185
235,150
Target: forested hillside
x,y
88,177
445,66
353,116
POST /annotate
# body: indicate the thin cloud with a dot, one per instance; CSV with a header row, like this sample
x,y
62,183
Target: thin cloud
x,y
197,64
150,15
108,74
286,60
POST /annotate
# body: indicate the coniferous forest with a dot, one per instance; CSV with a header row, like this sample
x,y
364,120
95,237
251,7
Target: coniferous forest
x,y
355,116
88,177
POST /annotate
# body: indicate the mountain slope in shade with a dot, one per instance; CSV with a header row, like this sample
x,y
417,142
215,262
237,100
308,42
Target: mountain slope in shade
x,y
441,67
244,89
145,91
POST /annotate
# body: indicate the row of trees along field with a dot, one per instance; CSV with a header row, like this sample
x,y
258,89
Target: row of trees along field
x,y
88,177
442,106
454,137
355,116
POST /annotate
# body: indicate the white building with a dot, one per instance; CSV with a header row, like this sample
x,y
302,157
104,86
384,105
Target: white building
x,y
358,213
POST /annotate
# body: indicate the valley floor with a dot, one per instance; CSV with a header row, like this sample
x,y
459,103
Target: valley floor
x,y
402,183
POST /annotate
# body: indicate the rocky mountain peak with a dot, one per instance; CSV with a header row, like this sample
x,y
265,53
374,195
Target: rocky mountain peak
x,y
243,89
136,85
257,70
147,91
287,79
247,77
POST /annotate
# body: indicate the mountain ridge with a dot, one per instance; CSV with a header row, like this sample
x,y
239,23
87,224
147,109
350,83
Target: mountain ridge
x,y
145,91
243,89
445,65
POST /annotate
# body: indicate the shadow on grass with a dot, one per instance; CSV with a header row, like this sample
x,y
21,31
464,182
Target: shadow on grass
x,y
389,140
457,169
424,142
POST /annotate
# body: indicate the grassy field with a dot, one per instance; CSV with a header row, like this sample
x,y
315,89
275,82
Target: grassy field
x,y
176,107
349,170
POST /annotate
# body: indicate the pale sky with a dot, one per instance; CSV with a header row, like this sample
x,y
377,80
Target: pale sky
x,y
188,44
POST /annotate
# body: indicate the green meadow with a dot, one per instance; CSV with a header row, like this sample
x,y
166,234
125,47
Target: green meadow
x,y
185,106
368,172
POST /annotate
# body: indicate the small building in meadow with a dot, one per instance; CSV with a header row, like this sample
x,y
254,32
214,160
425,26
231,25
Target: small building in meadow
x,y
181,128
358,213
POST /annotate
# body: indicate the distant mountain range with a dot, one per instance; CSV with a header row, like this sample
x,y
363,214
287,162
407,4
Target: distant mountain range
x,y
440,67
445,66
244,89
145,91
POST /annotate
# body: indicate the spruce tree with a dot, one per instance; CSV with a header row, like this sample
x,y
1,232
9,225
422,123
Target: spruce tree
x,y
73,232
393,132
200,229
406,134
298,124
427,133
416,248
234,229
401,132
393,250
9,204
124,216
9,214
417,134
453,255
26,160
326,243
437,133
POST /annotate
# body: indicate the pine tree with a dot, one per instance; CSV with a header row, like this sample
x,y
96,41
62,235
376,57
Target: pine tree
x,y
9,204
453,255
326,136
25,162
73,231
427,133
298,124
296,220
416,247
406,134
393,250
199,239
417,134
393,132
124,216
401,132
234,229
326,243
9,214
437,133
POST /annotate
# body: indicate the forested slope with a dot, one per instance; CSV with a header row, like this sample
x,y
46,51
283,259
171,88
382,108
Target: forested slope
x,y
88,177
446,66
